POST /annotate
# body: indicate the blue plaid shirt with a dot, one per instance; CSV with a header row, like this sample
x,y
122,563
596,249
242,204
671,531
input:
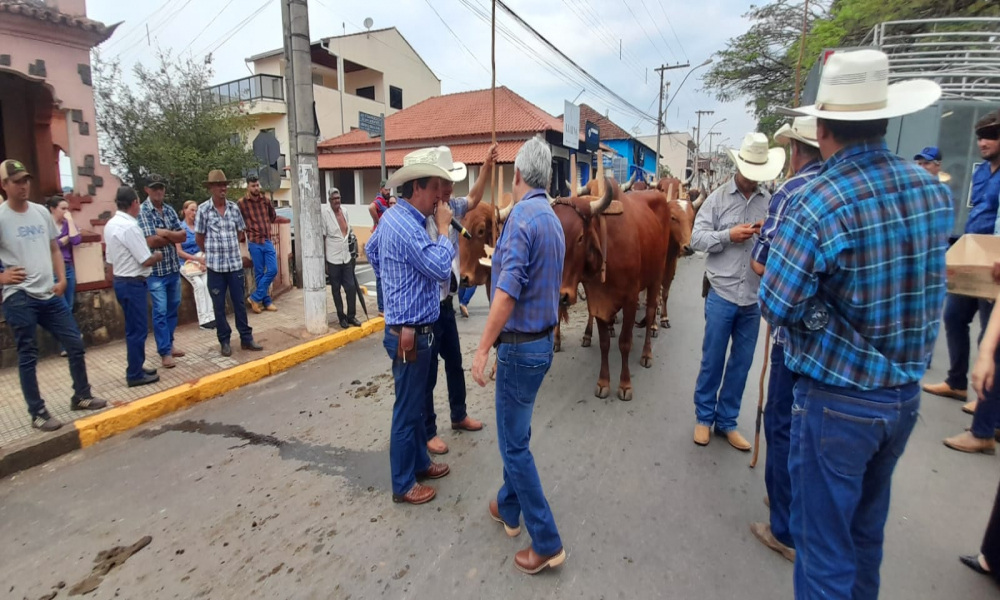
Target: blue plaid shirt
x,y
775,211
410,266
528,263
222,242
150,220
859,257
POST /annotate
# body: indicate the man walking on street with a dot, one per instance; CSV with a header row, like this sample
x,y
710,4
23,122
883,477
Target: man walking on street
x,y
724,227
339,262
162,229
806,163
131,261
32,261
855,277
217,227
258,215
527,273
446,343
412,268
376,209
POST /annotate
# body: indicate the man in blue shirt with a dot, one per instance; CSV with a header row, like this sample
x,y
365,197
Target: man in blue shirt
x,y
960,310
412,268
806,163
527,273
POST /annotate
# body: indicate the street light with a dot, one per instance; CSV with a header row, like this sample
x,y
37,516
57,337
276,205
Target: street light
x,y
709,131
669,102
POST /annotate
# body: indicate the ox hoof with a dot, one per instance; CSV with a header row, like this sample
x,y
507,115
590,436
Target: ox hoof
x,y
602,391
625,394
557,347
654,332
646,361
585,342
665,323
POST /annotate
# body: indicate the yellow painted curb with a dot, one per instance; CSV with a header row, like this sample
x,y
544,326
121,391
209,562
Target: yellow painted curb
x,y
122,418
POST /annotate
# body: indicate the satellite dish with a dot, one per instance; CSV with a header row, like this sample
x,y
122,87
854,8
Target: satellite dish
x,y
369,22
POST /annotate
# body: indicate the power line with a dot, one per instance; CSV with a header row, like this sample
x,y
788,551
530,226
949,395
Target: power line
x,y
457,39
608,41
667,17
599,24
644,32
207,25
158,27
137,27
653,20
221,41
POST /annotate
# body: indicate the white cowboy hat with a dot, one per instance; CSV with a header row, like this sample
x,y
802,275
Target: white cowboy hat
x,y
802,129
755,161
428,162
855,86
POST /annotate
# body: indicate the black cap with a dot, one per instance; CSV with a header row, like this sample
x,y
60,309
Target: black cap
x,y
156,181
252,178
989,121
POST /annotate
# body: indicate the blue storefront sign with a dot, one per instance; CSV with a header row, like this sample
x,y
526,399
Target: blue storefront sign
x,y
593,137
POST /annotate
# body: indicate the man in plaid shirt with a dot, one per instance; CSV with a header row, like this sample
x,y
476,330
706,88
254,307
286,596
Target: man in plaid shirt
x,y
856,277
258,214
163,231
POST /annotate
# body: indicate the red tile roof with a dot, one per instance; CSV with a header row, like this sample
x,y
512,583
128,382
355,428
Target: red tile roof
x,y
609,130
35,9
470,154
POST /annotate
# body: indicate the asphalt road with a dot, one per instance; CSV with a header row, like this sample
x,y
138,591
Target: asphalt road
x,y
281,490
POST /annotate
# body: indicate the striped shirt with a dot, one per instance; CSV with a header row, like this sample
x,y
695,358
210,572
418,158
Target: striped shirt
x,y
459,208
150,220
856,271
410,266
222,242
528,263
258,214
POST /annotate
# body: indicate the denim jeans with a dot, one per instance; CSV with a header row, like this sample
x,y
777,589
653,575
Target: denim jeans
x,y
520,371
465,295
446,345
265,269
986,419
725,321
218,284
777,432
131,296
407,442
165,293
845,445
958,314
69,296
24,314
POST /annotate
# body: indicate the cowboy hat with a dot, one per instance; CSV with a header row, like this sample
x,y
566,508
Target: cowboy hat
x,y
802,129
216,176
855,86
428,162
755,161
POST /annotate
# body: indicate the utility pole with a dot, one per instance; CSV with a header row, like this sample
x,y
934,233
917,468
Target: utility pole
x,y
697,144
711,157
305,167
292,152
659,110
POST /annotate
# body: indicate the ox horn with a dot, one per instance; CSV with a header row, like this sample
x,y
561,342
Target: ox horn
x,y
583,191
600,205
696,204
628,184
569,186
505,212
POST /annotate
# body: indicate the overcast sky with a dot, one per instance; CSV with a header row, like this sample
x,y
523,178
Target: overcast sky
x,y
694,31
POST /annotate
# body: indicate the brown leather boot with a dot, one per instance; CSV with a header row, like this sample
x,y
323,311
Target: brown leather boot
x,y
418,494
945,391
528,562
736,440
468,424
495,515
702,435
969,408
435,471
762,531
966,442
437,446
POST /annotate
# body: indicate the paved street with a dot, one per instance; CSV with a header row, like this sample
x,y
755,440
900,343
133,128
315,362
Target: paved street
x,y
281,490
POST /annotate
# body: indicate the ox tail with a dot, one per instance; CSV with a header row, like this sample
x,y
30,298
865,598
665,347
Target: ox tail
x,y
563,314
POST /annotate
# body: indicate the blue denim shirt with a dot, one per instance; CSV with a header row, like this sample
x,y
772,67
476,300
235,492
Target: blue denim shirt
x,y
985,200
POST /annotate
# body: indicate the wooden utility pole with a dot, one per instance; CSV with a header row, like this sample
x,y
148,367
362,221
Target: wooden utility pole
x,y
659,111
697,144
305,167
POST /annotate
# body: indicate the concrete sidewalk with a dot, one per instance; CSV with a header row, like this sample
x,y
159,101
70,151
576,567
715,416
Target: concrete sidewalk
x,y
276,331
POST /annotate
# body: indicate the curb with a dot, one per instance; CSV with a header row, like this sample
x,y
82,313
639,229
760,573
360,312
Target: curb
x,y
87,431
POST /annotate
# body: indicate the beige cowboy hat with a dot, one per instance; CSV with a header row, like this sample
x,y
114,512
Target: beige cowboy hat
x,y
216,176
855,86
428,162
802,129
755,161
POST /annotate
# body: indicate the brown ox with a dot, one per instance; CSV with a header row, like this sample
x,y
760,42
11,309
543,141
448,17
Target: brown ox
x,y
478,222
614,267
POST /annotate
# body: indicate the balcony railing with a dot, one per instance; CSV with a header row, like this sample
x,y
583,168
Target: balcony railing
x,y
256,87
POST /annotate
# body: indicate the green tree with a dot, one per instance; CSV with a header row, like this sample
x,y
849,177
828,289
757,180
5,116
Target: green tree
x,y
164,124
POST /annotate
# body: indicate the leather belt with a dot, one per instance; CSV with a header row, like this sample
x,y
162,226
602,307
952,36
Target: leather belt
x,y
137,279
418,329
511,337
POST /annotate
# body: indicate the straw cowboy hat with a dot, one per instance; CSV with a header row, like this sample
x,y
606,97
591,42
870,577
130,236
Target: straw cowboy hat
x,y
802,129
755,161
428,162
216,176
855,86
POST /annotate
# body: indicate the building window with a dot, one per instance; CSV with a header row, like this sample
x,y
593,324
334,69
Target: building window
x,y
366,92
395,98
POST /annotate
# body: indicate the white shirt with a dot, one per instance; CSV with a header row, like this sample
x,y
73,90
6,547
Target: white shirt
x,y
337,250
126,247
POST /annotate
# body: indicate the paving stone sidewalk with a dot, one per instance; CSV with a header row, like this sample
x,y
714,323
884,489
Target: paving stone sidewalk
x,y
275,331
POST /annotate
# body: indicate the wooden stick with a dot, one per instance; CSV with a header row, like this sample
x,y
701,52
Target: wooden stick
x,y
493,91
760,397
573,182
802,51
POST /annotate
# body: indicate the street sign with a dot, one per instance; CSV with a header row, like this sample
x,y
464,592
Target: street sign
x,y
571,125
268,151
270,179
593,137
370,123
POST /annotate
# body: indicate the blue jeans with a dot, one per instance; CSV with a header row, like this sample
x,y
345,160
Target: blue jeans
x,y
132,298
446,345
777,432
986,419
218,284
378,293
165,292
24,314
407,442
465,294
958,314
520,371
69,296
265,269
724,321
845,445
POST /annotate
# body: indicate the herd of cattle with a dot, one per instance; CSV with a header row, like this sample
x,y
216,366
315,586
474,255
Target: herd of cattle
x,y
619,242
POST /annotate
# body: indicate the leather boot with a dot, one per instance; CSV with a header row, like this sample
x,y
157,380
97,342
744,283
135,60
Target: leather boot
x,y
966,442
528,562
418,494
762,531
702,435
969,408
945,391
495,515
